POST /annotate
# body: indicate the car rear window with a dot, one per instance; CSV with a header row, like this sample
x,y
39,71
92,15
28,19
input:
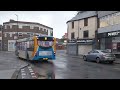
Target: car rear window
x,y
104,51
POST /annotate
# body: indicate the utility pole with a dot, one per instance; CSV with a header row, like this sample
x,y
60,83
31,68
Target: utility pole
x,y
17,26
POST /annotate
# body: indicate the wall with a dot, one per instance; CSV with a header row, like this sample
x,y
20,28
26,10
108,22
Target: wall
x,y
91,27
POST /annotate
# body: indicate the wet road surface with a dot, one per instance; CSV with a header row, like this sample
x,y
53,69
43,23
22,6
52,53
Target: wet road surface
x,y
64,67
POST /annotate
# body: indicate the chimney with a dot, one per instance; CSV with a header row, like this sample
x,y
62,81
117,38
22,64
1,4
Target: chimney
x,y
11,20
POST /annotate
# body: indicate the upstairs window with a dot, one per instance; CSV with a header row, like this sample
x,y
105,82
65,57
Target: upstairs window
x,y
72,25
86,22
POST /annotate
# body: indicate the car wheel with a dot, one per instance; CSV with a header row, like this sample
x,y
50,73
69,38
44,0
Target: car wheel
x,y
84,57
98,60
111,62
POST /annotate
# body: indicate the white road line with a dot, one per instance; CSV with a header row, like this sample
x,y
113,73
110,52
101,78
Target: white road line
x,y
30,70
34,77
29,67
23,77
22,69
32,73
23,74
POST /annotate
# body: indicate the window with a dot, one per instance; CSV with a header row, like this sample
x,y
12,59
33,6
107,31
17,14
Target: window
x,y
5,26
85,34
20,34
95,52
72,35
72,25
44,30
5,35
86,22
41,29
51,33
10,34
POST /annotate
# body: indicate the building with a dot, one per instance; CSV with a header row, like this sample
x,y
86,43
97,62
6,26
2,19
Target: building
x,y
81,31
64,37
0,37
21,29
109,31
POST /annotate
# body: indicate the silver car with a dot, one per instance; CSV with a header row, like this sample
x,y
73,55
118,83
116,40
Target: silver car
x,y
99,56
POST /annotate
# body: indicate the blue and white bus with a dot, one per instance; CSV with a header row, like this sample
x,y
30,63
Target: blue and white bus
x,y
36,48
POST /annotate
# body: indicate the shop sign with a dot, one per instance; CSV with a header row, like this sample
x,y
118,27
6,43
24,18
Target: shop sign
x,y
72,41
113,33
85,41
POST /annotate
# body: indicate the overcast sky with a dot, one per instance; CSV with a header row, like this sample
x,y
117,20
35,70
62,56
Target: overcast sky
x,y
55,19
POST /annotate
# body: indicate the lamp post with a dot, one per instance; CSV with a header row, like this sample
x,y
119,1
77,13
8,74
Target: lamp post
x,y
17,26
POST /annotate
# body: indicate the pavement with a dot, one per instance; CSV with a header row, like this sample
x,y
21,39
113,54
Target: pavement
x,y
9,65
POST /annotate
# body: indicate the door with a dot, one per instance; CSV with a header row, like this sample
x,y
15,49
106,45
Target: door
x,y
95,54
90,55
11,45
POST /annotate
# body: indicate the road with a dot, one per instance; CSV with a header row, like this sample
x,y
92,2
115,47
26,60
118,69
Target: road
x,y
64,67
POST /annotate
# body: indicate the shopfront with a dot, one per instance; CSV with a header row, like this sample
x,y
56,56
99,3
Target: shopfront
x,y
110,41
80,46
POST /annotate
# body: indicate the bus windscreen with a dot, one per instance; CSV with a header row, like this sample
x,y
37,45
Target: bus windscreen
x,y
46,38
45,41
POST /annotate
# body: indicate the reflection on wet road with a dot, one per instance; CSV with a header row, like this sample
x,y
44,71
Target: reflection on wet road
x,y
66,67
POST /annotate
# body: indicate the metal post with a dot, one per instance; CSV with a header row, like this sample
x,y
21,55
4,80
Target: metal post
x,y
1,38
17,25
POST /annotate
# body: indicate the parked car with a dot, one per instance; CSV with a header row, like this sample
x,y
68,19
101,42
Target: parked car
x,y
100,56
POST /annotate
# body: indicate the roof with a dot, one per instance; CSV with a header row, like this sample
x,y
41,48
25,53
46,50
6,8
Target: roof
x,y
13,21
83,14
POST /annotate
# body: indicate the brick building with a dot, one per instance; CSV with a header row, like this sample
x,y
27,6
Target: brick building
x,y
22,29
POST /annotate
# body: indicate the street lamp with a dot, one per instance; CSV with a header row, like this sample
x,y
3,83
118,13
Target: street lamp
x,y
17,25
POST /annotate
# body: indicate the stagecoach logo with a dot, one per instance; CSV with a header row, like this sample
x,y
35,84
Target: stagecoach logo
x,y
113,33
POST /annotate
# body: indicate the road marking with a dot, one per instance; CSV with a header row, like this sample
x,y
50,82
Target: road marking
x,y
23,74
32,73
29,67
22,69
30,70
22,77
34,77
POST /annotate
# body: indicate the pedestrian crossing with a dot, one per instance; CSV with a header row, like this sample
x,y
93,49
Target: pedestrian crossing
x,y
28,73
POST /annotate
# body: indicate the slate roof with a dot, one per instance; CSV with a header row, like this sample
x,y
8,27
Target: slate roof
x,y
83,14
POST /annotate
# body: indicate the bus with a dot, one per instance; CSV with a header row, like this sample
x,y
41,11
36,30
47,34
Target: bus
x,y
36,48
